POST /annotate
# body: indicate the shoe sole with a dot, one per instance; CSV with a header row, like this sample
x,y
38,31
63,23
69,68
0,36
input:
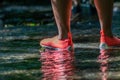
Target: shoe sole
x,y
105,46
58,49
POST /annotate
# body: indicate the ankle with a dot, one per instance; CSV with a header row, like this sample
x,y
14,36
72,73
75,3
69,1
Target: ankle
x,y
65,36
62,37
109,35
106,34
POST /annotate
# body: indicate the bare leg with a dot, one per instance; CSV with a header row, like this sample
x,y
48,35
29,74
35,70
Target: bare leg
x,y
62,13
104,9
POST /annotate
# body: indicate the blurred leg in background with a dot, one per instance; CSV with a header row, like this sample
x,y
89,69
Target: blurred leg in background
x,y
92,7
76,10
76,7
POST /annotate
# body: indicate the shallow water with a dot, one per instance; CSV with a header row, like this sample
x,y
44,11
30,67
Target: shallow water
x,y
20,58
85,65
20,61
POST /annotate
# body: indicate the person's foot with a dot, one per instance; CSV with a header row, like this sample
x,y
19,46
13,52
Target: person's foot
x,y
55,43
106,42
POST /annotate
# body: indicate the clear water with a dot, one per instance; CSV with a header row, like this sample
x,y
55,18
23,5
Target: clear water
x,y
20,58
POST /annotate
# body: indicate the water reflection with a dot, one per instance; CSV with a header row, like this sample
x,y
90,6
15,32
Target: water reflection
x,y
57,65
104,63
